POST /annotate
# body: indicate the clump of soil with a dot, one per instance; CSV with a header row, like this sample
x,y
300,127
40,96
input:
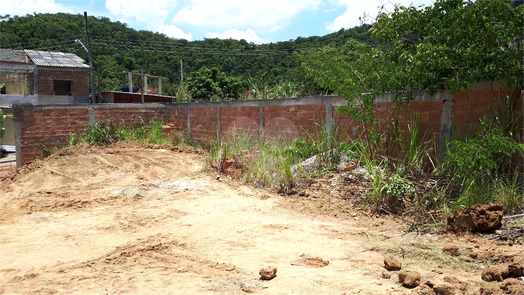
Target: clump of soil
x,y
268,273
391,263
476,219
409,279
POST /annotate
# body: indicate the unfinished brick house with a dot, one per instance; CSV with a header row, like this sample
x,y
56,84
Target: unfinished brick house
x,y
42,77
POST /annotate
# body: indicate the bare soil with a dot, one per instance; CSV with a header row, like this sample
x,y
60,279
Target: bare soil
x,y
131,218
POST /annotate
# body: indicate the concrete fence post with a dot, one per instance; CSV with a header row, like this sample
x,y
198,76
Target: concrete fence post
x,y
329,120
260,122
218,125
91,114
188,110
446,122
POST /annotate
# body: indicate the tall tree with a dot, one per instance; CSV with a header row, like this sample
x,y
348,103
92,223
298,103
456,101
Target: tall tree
x,y
448,45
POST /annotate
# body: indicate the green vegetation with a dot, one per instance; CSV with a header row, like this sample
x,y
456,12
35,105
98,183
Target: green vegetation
x,y
103,133
448,45
272,70
477,168
3,118
211,84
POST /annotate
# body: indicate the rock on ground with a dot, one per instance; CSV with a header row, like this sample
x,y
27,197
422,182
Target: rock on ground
x,y
409,279
268,273
392,263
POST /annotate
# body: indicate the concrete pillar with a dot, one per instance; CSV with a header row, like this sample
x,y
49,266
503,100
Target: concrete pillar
x,y
446,122
130,78
329,120
35,78
261,122
159,86
188,123
218,125
91,114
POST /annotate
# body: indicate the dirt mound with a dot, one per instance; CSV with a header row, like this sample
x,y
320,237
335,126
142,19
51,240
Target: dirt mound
x,y
477,218
131,218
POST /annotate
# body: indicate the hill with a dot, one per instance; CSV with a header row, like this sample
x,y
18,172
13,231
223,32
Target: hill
x,y
117,48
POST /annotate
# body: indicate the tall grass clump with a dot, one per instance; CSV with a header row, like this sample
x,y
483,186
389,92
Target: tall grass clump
x,y
480,167
418,149
103,133
99,133
156,132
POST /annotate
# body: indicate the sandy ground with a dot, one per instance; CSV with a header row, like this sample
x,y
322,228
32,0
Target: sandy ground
x,y
138,219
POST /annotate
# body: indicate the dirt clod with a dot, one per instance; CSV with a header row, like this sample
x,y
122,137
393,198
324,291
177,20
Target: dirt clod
x,y
513,286
268,273
444,289
409,279
451,250
516,268
391,263
495,273
477,218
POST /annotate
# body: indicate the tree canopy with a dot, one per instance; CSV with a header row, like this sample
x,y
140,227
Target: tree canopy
x,y
117,48
448,45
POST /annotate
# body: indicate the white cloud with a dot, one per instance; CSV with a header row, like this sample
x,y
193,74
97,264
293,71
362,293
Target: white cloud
x,y
356,9
23,7
174,32
152,13
248,35
267,16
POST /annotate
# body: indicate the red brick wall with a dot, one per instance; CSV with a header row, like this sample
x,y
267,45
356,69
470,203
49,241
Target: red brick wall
x,y
46,127
79,78
203,124
7,110
239,121
282,119
470,107
129,115
292,121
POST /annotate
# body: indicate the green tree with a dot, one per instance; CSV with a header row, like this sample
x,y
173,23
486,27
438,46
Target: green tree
x,y
453,43
212,84
448,45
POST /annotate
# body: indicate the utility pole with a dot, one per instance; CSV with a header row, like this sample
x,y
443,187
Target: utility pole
x,y
90,58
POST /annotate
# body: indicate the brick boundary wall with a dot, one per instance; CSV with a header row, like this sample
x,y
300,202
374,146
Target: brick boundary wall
x,y
50,125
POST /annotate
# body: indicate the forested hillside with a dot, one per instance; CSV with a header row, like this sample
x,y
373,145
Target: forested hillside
x,y
117,48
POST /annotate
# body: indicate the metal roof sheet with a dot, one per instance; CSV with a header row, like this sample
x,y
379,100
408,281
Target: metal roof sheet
x,y
55,59
12,55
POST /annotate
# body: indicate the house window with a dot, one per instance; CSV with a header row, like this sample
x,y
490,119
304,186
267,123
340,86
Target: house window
x,y
62,87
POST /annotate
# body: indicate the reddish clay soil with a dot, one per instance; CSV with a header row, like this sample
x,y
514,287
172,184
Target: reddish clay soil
x,y
138,219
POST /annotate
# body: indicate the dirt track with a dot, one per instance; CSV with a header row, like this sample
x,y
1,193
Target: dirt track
x,y
137,219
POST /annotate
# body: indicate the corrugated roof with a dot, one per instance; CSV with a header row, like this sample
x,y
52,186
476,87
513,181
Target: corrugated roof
x,y
12,55
55,59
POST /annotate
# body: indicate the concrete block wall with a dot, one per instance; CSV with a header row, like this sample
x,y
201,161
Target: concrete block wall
x,y
38,125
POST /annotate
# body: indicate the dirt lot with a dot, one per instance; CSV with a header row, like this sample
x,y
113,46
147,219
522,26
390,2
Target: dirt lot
x,y
137,219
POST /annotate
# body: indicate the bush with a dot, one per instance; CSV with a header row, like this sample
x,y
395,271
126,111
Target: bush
x,y
488,152
479,167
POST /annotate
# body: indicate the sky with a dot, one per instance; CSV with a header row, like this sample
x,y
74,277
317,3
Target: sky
x,y
262,21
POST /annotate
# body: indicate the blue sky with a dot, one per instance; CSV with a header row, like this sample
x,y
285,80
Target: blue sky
x,y
254,21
